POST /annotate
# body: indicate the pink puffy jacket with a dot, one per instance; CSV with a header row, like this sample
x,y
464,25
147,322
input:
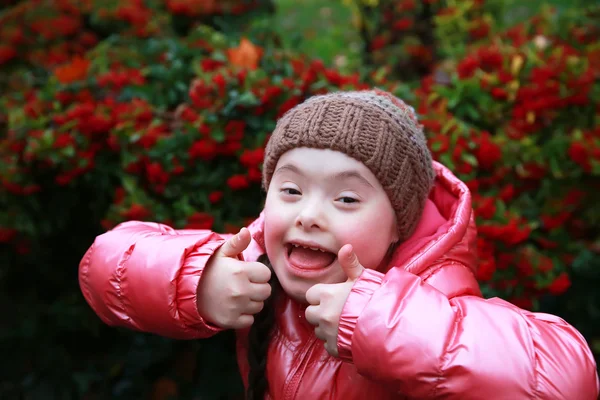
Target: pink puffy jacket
x,y
417,330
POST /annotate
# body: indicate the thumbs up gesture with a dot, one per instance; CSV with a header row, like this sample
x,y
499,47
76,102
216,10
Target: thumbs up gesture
x,y
231,291
326,301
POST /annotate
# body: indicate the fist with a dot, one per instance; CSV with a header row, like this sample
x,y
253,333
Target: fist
x,y
326,301
231,291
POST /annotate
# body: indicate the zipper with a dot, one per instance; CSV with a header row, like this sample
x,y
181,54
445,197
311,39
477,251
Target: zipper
x,y
294,382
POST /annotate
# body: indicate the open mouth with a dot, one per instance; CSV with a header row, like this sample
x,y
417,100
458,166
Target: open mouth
x,y
309,257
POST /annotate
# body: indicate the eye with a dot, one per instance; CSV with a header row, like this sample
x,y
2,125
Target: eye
x,y
347,200
291,191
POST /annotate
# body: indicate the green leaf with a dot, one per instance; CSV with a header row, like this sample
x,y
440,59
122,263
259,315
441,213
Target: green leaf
x,y
129,183
500,208
470,159
471,111
248,99
68,151
555,168
218,134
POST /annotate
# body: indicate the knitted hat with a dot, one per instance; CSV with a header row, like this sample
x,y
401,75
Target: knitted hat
x,y
373,127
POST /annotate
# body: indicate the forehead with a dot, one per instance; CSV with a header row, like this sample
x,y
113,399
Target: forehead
x,y
322,163
305,157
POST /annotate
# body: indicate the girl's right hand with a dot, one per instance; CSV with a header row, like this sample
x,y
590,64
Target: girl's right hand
x,y
231,291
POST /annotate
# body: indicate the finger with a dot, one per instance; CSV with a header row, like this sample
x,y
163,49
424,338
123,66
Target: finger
x,y
254,307
236,244
312,315
331,349
349,262
258,272
244,321
260,291
313,295
320,334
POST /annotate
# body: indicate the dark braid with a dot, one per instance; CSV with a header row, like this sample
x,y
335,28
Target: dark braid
x,y
259,339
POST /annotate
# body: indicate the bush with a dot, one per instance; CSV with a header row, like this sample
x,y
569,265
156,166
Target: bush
x,y
410,37
50,32
517,119
180,124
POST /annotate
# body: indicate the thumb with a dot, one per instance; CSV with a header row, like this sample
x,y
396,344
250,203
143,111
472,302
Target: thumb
x,y
349,262
236,244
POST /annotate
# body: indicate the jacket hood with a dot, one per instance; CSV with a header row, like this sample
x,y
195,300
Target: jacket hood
x,y
446,231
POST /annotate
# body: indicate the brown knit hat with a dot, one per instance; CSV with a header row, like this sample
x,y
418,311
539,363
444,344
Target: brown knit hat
x,y
373,127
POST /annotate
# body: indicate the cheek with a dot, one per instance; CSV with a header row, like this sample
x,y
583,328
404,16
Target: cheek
x,y
273,231
371,239
370,251
276,224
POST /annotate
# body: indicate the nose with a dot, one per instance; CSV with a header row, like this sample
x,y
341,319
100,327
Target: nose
x,y
311,217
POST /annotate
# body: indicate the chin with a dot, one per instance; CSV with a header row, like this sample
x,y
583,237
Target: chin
x,y
299,297
294,289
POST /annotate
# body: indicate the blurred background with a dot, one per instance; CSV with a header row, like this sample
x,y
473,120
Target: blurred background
x,y
112,110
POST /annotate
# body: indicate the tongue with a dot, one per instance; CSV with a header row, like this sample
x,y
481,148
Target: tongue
x,y
308,258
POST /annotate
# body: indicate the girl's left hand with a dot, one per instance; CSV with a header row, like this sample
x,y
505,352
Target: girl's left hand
x,y
327,300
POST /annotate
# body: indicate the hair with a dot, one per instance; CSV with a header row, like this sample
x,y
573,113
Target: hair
x,y
259,338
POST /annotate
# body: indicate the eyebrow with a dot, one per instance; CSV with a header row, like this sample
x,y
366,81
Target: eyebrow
x,y
288,167
339,176
352,174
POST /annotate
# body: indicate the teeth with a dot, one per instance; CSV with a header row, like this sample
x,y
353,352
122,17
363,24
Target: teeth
x,y
311,248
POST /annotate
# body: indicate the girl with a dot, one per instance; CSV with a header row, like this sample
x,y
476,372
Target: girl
x,y
355,282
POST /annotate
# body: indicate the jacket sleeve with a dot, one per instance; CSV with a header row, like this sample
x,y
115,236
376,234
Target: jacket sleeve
x,y
144,276
401,331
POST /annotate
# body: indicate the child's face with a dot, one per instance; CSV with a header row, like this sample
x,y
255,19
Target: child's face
x,y
324,199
